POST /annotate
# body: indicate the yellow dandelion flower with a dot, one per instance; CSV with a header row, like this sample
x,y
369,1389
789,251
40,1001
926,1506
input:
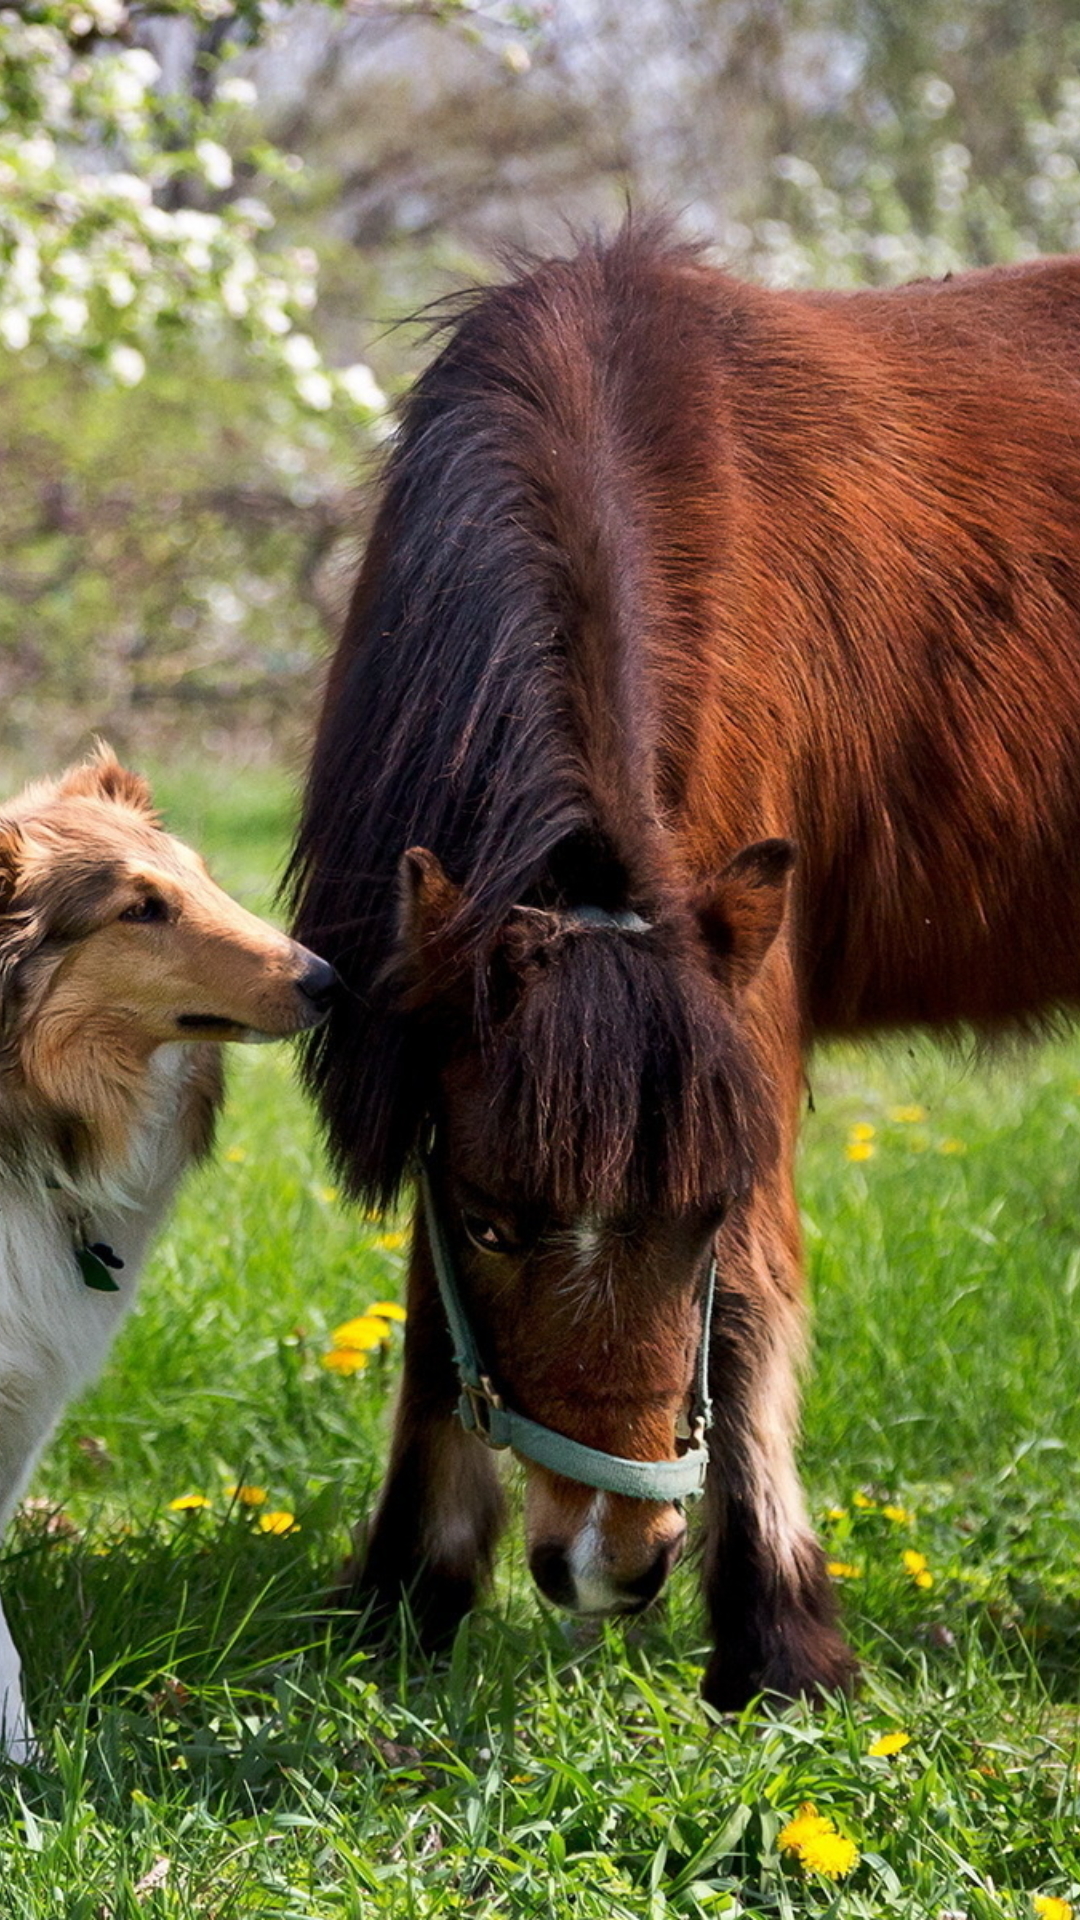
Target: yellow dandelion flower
x,y
391,1242
951,1146
808,1822
862,1130
924,1579
887,1744
907,1116
366,1332
863,1501
901,1516
246,1496
1049,1907
189,1503
327,1194
236,1154
278,1522
859,1150
914,1563
343,1360
843,1570
836,1513
388,1310
830,1854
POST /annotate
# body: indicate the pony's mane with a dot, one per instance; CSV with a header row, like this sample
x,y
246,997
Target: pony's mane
x,y
487,699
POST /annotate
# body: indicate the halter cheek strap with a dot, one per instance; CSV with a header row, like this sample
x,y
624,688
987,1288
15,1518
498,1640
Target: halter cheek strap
x,y
482,1411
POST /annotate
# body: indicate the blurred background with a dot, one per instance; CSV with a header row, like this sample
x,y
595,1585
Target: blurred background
x,y
216,215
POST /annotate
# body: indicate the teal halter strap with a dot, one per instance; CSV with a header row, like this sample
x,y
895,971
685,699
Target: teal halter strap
x,y
481,1409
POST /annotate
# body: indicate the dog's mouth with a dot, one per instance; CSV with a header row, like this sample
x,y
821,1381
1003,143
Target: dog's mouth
x,y
208,1023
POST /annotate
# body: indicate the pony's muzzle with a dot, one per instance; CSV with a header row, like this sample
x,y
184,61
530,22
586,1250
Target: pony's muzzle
x,y
606,1569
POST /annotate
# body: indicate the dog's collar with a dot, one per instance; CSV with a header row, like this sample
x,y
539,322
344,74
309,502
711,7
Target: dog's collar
x,y
96,1260
94,1263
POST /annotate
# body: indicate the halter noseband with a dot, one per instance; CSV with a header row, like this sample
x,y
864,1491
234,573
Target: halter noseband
x,y
482,1411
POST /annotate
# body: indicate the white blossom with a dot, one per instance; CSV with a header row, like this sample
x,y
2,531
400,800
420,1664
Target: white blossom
x,y
14,328
70,312
216,164
300,352
361,386
315,391
237,92
126,364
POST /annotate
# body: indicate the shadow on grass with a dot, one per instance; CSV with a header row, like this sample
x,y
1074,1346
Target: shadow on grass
x,y
197,1662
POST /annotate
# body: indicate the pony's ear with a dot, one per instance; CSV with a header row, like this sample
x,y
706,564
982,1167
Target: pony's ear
x,y
741,912
427,903
103,778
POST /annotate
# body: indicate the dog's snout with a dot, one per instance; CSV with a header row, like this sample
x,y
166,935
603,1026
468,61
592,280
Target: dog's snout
x,y
318,982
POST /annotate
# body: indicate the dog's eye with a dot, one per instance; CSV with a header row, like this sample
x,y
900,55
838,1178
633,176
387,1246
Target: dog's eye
x,y
485,1235
151,907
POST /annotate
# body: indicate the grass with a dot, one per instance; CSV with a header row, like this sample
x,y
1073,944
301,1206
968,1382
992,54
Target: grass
x,y
210,1753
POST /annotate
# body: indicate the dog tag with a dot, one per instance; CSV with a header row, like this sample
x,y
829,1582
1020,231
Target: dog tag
x,y
94,1263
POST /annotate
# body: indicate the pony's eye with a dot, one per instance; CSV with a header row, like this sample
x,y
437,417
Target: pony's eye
x,y
485,1235
152,907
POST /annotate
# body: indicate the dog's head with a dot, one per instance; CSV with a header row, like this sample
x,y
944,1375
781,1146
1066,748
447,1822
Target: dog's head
x,y
114,938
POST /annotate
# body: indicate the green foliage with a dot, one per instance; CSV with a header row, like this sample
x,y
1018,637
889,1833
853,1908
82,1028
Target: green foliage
x,y
940,137
168,554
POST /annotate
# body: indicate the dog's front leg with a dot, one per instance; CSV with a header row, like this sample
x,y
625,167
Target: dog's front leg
x,y
433,1534
16,1734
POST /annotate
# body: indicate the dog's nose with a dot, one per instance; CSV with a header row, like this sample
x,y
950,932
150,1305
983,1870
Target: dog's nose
x,y
318,982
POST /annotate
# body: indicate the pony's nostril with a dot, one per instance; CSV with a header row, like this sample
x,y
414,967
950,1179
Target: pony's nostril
x,y
550,1569
318,983
648,1584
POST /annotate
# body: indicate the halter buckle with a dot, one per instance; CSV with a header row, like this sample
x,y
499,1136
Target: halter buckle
x,y
476,1405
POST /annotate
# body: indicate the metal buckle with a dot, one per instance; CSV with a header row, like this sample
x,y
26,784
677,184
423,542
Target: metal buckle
x,y
690,1432
475,1407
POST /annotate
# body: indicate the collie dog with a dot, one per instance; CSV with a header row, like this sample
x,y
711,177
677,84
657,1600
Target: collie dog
x,y
122,969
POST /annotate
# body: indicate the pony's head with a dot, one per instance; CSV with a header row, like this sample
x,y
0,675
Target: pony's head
x,y
597,1115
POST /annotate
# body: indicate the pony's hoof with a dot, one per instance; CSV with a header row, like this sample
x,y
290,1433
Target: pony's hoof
x,y
371,1609
810,1669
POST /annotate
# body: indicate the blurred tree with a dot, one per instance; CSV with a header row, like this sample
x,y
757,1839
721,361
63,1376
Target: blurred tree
x,y
173,439
180,422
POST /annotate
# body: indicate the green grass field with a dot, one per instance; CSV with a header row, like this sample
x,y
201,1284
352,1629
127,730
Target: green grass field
x,y
210,1753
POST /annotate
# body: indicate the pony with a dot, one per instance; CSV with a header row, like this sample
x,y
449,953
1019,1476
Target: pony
x,y
123,969
711,684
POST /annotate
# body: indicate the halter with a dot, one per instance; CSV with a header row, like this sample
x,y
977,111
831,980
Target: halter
x,y
483,1411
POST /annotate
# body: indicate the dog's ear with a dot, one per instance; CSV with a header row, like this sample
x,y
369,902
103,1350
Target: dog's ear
x,y
103,778
11,859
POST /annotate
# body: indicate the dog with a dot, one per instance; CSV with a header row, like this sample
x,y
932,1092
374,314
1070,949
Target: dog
x,y
123,969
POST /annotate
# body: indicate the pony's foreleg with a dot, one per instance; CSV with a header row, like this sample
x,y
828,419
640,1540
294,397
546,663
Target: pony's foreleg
x,y
433,1534
770,1600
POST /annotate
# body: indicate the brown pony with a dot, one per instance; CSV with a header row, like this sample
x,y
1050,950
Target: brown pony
x,y
712,682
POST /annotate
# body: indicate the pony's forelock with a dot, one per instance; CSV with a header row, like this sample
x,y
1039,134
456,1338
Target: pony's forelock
x,y
618,1085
